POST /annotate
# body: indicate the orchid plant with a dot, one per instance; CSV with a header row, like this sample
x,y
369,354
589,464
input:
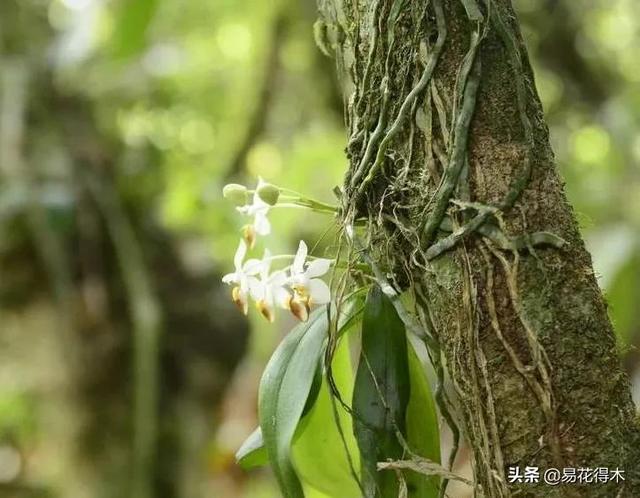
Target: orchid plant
x,y
298,286
332,451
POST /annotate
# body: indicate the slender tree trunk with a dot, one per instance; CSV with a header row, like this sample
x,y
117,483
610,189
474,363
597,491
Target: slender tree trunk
x,y
450,163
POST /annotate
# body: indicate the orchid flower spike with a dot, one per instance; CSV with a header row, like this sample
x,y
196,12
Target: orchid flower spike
x,y
308,288
242,277
269,291
258,209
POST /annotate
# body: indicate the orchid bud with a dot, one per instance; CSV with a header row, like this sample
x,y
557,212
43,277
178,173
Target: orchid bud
x,y
268,193
235,193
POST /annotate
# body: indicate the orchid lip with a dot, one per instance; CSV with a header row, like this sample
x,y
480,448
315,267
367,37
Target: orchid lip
x,y
265,310
239,300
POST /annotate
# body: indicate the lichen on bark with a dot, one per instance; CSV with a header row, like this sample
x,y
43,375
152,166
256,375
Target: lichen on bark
x,y
451,167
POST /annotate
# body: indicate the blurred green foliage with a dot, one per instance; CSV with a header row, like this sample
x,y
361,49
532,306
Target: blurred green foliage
x,y
17,420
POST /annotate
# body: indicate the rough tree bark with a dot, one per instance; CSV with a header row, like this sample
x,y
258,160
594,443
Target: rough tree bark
x,y
450,163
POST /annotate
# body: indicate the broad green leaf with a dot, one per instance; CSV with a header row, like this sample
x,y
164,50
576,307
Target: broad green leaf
x,y
381,393
318,452
623,295
351,312
131,26
310,492
313,391
423,434
284,389
350,317
252,453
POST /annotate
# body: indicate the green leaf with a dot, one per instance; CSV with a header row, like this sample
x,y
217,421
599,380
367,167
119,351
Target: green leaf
x,y
381,393
623,296
318,452
351,312
284,389
131,26
310,492
313,390
423,433
252,453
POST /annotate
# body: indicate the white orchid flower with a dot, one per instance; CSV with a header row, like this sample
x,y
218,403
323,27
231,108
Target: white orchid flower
x,y
269,291
308,288
259,210
242,277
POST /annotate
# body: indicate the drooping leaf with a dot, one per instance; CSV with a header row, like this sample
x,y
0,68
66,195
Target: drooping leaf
x,y
252,453
319,452
351,312
624,294
310,492
423,433
284,389
350,316
313,391
381,393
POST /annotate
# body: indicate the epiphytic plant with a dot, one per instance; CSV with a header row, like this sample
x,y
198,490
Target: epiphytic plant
x,y
325,426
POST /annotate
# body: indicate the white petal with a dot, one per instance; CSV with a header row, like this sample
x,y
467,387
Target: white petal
x,y
278,278
251,266
230,278
261,223
281,296
241,252
245,284
244,293
256,289
319,291
267,296
298,262
265,265
258,204
318,267
299,280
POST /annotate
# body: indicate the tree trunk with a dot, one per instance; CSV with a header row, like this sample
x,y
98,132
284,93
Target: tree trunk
x,y
451,165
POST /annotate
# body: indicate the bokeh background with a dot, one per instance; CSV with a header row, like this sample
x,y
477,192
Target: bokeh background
x,y
120,121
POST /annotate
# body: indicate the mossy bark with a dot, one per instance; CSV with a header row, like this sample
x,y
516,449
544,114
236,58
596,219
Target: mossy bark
x,y
519,319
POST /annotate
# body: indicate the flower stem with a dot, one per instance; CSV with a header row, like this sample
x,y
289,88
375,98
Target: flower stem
x,y
318,208
296,199
342,265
